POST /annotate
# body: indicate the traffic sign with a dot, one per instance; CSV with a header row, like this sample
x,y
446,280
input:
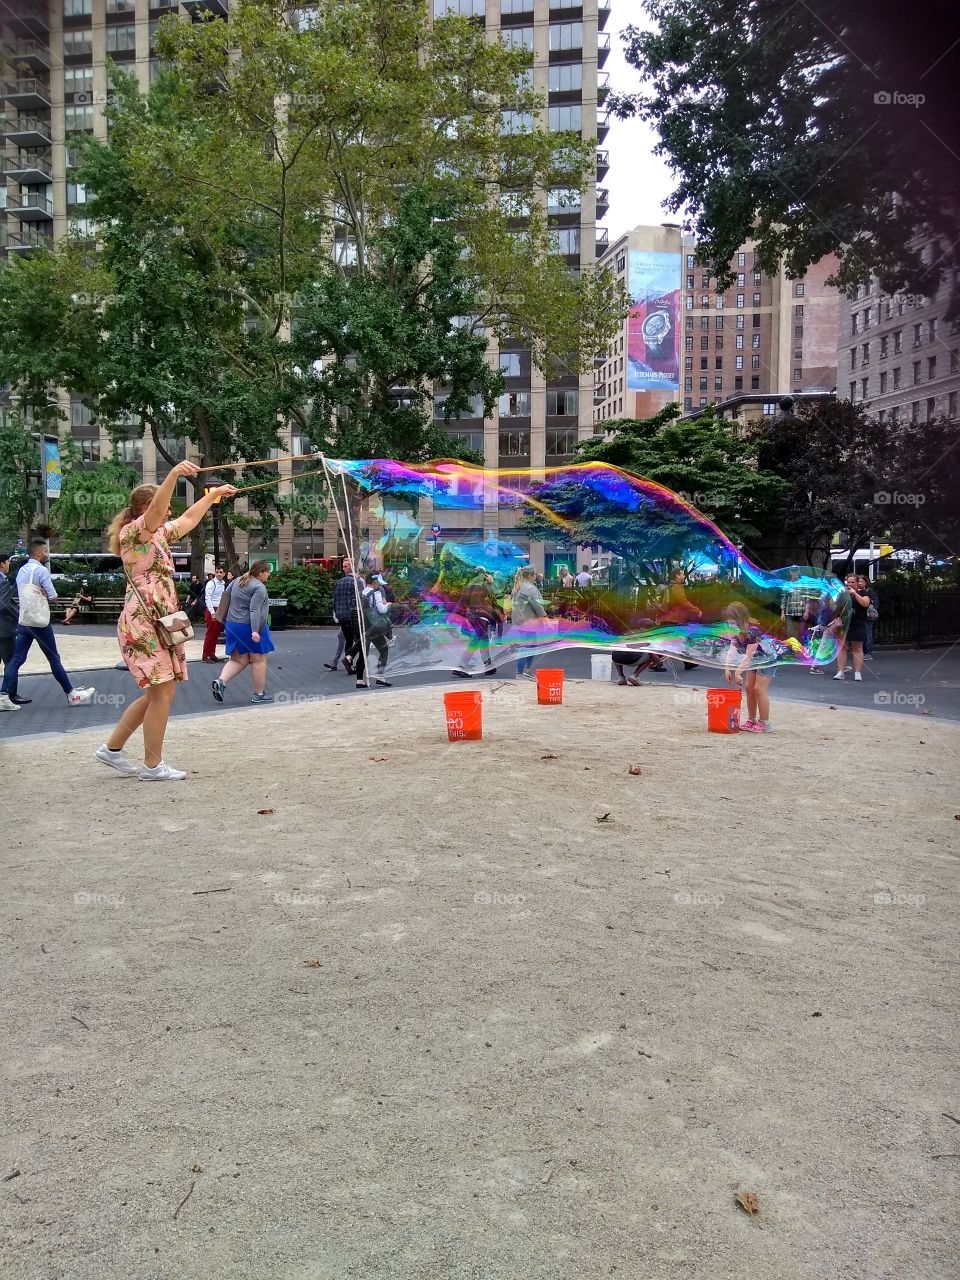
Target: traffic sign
x,y
435,528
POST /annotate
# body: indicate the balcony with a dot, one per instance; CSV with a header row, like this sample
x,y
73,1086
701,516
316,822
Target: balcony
x,y
603,49
29,131
603,125
603,202
603,241
603,164
25,241
603,13
32,22
31,206
196,8
603,86
29,93
30,55
29,169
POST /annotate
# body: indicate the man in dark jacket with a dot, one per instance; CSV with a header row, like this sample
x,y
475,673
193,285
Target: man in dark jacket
x,y
9,617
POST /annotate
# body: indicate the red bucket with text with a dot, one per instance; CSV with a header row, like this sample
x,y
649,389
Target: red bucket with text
x,y
550,685
723,710
464,716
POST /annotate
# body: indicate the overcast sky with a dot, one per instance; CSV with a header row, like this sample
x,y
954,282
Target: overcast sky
x,y
638,180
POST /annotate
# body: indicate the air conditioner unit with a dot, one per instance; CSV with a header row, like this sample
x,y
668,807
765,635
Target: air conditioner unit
x,y
83,99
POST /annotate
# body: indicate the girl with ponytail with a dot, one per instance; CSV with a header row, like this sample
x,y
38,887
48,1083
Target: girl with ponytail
x,y
248,632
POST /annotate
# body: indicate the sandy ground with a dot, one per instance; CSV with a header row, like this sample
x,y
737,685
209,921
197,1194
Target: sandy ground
x,y
528,1044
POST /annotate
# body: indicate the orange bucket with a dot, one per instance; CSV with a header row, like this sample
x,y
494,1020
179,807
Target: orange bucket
x,y
723,710
464,716
550,685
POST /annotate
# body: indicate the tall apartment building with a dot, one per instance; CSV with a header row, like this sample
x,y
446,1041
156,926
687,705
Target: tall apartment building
x,y
58,85
764,334
900,354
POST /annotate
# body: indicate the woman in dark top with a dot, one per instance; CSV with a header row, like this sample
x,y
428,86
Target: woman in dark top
x,y
867,588
856,631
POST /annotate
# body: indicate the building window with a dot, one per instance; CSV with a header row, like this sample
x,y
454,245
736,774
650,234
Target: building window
x,y
718,322
514,404
516,6
797,375
688,384
955,361
510,364
129,451
514,444
883,382
78,119
688,344
718,362
917,365
853,391
756,320
460,8
739,342
756,277
718,384
689,282
121,6
561,444
754,362
703,384
898,342
512,122
915,411
738,362
718,342
517,37
688,362
853,357
740,322
798,289
896,379
705,300
560,118
741,259
931,368
798,309
688,303
741,279
78,80
566,77
78,43
561,404
866,353
704,361
917,330
77,8
121,39
884,342
952,406
704,322
931,409
739,299
754,384
688,402
738,384
755,341
566,35
864,385
866,317
76,194
691,261
769,408
567,240
932,330
719,302
756,299
798,331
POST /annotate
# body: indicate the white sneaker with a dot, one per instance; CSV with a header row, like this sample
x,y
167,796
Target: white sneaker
x,y
857,675
7,703
161,773
116,760
840,676
80,697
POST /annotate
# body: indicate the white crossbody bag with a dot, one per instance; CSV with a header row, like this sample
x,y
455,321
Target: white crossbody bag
x,y
34,605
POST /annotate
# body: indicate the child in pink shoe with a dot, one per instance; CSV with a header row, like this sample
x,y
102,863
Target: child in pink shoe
x,y
746,644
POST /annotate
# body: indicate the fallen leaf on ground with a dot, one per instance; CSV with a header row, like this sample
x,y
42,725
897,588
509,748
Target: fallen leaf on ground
x,y
266,811
748,1202
313,964
831,707
379,759
604,818
195,1169
634,770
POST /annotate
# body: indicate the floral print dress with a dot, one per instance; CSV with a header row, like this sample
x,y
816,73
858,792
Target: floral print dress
x,y
147,559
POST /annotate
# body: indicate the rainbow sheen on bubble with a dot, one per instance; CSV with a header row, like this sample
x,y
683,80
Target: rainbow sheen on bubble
x,y
454,588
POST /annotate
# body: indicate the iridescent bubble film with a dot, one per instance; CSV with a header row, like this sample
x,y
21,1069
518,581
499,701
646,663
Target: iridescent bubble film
x,y
453,541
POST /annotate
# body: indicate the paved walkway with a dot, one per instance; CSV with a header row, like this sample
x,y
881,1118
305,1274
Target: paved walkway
x,y
908,681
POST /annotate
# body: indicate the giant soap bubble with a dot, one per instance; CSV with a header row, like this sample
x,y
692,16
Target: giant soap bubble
x,y
453,541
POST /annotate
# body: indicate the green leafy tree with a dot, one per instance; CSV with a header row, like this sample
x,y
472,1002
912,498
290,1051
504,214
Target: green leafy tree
x,y
783,124
924,507
90,496
836,463
19,492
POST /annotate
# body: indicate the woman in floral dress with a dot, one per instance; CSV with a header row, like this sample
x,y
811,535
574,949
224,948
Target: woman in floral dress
x,y
141,534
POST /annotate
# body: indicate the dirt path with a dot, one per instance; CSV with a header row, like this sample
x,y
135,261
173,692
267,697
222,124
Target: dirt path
x,y
529,1044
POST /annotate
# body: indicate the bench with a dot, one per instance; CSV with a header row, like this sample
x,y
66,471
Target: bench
x,y
109,607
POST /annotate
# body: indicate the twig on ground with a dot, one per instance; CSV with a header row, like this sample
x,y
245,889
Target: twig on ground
x,y
947,1155
80,1020
185,1198
226,889
947,1116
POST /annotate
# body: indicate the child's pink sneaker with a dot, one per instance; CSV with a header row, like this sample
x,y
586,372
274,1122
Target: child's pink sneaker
x,y
755,726
748,726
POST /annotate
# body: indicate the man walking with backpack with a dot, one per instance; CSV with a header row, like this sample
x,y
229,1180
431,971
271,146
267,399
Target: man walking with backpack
x,y
35,590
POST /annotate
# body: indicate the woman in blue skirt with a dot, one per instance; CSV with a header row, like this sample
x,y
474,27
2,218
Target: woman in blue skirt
x,y
248,633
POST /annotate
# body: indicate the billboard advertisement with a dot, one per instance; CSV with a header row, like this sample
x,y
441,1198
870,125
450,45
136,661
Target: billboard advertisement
x,y
51,468
653,334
